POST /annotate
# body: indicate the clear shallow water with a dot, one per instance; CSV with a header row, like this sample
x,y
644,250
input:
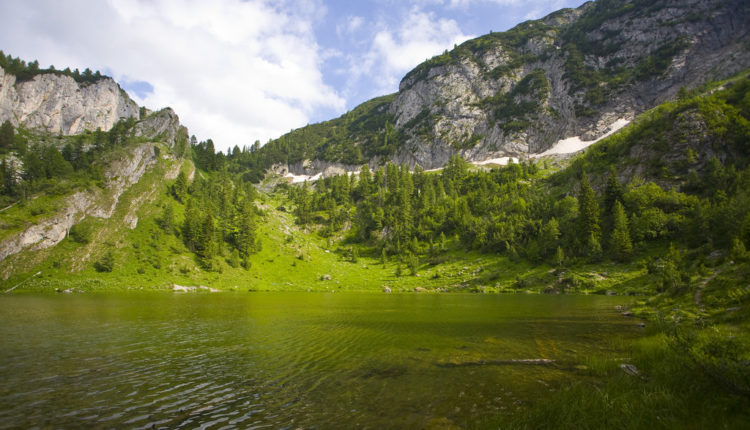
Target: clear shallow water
x,y
290,360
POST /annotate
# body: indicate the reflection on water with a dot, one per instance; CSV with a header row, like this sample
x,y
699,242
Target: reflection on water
x,y
290,360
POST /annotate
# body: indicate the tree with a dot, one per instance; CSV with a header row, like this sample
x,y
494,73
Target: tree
x,y
620,244
559,257
413,262
6,135
613,191
191,226
548,237
167,219
246,232
588,217
179,189
55,165
670,275
106,263
33,166
207,244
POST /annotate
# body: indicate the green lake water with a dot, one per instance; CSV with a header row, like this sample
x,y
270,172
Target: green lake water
x,y
292,360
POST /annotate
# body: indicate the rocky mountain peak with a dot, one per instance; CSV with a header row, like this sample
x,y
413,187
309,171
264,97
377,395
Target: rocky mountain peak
x,y
57,104
572,74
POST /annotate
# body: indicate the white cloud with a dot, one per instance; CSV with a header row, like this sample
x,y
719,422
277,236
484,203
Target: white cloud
x,y
395,51
234,71
350,25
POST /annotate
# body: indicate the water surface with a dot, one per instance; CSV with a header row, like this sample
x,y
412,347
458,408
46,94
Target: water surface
x,y
290,360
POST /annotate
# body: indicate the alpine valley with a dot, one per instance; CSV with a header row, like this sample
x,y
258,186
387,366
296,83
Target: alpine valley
x,y
599,150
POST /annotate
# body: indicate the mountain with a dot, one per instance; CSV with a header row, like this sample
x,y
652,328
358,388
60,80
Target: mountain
x,y
57,104
573,73
98,191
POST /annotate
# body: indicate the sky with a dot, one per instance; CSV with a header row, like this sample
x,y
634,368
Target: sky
x,y
237,71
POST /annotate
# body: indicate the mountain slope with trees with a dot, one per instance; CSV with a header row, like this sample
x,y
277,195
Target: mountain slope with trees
x,y
515,93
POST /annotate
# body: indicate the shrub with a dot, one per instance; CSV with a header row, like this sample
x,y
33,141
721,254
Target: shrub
x,y
106,263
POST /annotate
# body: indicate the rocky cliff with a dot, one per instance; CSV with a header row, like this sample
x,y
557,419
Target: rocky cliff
x,y
512,94
572,73
99,203
163,126
57,104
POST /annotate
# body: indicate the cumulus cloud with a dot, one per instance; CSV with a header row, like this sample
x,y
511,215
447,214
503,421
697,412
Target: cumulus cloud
x,y
235,71
394,51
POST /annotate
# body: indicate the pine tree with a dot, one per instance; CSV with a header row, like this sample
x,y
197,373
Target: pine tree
x,y
167,219
191,226
588,218
670,275
548,237
207,241
613,191
179,189
620,244
304,205
6,135
365,185
246,232
559,257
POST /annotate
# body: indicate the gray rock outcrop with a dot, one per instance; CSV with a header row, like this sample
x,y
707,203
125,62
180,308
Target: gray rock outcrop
x,y
163,126
517,93
573,74
46,233
57,104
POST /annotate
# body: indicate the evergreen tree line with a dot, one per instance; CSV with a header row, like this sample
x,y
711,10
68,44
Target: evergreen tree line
x,y
31,165
220,218
515,212
24,71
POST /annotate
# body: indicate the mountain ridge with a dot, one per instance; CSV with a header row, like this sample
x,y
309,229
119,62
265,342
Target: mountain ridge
x,y
516,93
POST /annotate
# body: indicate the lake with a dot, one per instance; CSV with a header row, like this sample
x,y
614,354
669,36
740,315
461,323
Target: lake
x,y
292,360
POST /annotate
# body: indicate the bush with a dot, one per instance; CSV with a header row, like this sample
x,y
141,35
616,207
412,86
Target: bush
x,y
106,263
81,233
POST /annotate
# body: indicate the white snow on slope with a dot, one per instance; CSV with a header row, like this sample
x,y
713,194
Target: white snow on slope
x,y
502,161
575,144
297,179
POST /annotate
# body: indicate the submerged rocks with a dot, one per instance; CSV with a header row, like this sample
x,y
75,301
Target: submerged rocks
x,y
630,369
193,289
519,361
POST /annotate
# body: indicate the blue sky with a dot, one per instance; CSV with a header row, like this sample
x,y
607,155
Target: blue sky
x,y
244,70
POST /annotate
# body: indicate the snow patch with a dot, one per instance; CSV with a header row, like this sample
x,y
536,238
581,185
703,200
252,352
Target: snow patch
x,y
575,144
297,179
502,161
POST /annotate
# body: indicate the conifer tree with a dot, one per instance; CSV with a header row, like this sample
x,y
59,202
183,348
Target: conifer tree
x,y
588,218
191,226
180,187
246,232
167,218
6,135
207,241
559,257
549,237
620,244
613,191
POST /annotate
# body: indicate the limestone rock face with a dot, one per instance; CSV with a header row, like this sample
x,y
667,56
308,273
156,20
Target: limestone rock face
x,y
123,173
573,74
517,94
163,126
57,104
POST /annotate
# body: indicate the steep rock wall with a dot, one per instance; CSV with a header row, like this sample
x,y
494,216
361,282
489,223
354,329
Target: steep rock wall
x,y
57,104
467,103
